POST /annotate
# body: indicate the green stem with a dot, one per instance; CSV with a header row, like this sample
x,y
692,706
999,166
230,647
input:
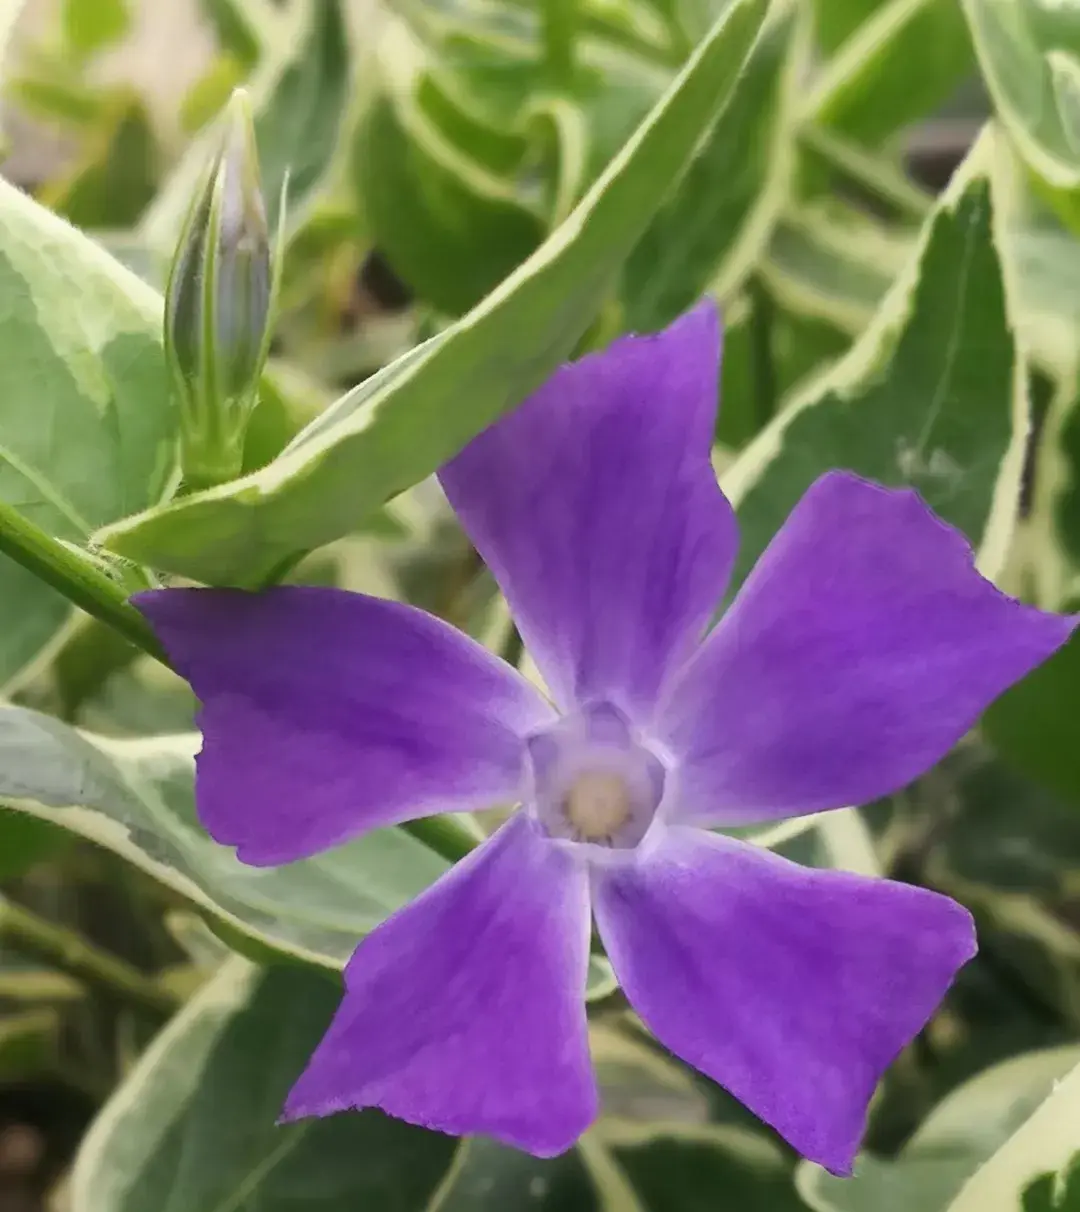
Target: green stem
x,y
72,954
76,577
560,18
762,315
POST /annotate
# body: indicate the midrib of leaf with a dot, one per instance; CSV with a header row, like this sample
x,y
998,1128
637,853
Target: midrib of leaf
x,y
250,1183
48,493
953,349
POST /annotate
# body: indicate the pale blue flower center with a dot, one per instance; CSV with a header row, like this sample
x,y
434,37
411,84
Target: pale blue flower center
x,y
595,782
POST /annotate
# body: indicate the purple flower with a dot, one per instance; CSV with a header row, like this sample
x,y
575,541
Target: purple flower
x,y
860,649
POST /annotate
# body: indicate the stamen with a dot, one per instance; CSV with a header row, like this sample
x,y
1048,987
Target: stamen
x,y
597,806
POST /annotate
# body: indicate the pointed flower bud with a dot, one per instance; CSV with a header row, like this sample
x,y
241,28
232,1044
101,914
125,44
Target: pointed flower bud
x,y
218,304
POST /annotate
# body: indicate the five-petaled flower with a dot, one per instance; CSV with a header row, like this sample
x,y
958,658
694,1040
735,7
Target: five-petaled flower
x,y
861,647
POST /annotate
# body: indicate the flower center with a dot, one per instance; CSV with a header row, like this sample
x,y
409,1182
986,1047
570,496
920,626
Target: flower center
x,y
597,806
594,781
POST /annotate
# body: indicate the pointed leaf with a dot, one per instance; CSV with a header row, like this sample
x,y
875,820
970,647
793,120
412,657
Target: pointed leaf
x,y
89,427
1047,1142
959,1134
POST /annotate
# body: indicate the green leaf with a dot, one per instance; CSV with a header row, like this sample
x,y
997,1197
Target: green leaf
x,y
493,1178
118,173
830,261
695,16
451,229
25,842
1047,262
832,163
236,27
1035,725
955,1139
1015,880
288,401
614,91
442,100
639,1083
89,428
933,395
823,266
1046,1142
495,56
666,1168
210,93
836,20
91,25
193,1126
1055,1192
1027,52
750,383
298,123
136,698
136,798
600,979
715,224
418,416
48,91
682,1168
868,89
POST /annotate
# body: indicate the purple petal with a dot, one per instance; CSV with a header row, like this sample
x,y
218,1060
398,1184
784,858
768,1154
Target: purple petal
x,y
793,988
464,1011
861,648
597,509
326,714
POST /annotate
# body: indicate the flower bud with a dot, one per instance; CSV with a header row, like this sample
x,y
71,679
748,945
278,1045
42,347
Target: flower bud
x,y
218,304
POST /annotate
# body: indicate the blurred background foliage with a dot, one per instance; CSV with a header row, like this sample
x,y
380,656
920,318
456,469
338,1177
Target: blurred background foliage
x,y
429,148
